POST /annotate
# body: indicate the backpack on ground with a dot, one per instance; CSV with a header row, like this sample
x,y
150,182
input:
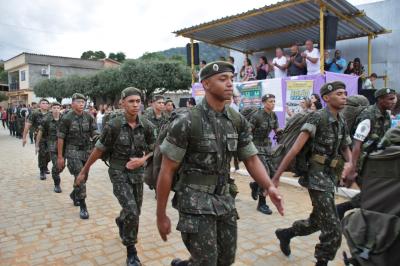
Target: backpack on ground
x,y
153,164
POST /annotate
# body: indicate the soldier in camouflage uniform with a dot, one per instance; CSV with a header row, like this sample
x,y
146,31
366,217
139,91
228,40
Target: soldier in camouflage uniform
x,y
156,113
207,213
35,120
326,135
48,131
76,131
129,138
263,122
371,126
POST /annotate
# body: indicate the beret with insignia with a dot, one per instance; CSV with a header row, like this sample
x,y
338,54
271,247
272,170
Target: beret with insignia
x,y
214,68
331,86
383,92
130,91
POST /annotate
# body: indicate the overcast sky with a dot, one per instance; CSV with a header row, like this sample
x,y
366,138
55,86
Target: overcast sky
x,y
70,27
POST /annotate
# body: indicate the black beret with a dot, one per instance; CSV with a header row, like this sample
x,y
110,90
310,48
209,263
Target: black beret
x,y
130,91
214,68
267,96
383,92
331,86
78,96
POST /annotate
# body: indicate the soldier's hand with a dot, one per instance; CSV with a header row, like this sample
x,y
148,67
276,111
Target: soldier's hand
x,y
23,142
275,181
81,178
276,199
134,163
164,226
60,163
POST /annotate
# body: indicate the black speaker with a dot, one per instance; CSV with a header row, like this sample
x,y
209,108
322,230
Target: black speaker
x,y
330,29
189,54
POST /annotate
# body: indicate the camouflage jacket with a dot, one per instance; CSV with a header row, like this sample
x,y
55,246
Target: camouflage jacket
x,y
36,118
328,137
262,124
205,157
77,132
49,128
157,122
126,142
380,122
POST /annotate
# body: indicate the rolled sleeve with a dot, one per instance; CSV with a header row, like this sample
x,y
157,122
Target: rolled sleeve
x,y
172,151
310,128
247,151
62,131
311,124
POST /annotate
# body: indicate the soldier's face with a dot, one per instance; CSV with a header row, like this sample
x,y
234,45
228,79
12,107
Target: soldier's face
x,y
220,86
159,105
131,104
336,99
44,105
388,101
169,107
78,105
269,104
55,109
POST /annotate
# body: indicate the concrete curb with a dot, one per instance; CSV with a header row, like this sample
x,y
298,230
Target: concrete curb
x,y
293,181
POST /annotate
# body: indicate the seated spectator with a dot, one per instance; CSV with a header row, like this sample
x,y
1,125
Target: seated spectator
x,y
247,71
337,64
262,68
279,64
296,64
311,56
235,74
369,83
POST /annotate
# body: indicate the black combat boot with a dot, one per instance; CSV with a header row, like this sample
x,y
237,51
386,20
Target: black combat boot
x,y
262,206
42,174
321,263
84,214
179,262
72,196
284,236
254,190
120,226
57,188
132,257
342,208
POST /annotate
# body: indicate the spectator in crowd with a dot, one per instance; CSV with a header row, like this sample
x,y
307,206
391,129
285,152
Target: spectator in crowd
x,y
191,102
262,68
355,68
4,117
315,98
311,56
99,119
235,74
196,73
296,64
247,71
369,83
92,111
315,106
337,64
279,64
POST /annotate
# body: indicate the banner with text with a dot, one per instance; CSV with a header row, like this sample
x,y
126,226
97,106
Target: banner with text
x,y
296,91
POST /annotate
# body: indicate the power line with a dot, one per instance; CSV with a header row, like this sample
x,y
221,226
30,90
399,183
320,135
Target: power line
x,y
30,29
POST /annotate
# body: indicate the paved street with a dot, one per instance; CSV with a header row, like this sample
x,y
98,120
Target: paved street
x,y
40,227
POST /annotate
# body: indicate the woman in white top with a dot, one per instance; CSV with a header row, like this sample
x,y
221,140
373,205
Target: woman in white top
x,y
99,120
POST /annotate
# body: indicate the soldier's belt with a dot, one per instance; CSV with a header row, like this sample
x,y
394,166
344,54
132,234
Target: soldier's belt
x,y
204,183
321,159
76,147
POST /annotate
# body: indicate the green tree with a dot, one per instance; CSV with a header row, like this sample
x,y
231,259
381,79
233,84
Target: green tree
x,y
93,55
3,76
153,56
120,56
3,97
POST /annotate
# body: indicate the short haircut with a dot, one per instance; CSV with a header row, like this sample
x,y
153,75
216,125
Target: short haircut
x,y
157,97
373,75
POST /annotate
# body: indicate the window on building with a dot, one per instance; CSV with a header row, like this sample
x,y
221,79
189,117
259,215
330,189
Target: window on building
x,y
23,75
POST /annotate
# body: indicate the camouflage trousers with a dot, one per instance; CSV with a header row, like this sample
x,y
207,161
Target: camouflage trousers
x,y
129,193
325,218
75,165
210,240
267,162
43,155
55,173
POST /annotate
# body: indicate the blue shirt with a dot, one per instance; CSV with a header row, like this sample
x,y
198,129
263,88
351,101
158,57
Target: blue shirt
x,y
333,68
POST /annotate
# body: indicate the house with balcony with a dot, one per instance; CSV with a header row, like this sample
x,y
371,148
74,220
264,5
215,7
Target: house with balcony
x,y
25,70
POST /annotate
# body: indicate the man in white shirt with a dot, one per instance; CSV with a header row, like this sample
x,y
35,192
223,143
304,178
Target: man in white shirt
x,y
280,64
311,55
